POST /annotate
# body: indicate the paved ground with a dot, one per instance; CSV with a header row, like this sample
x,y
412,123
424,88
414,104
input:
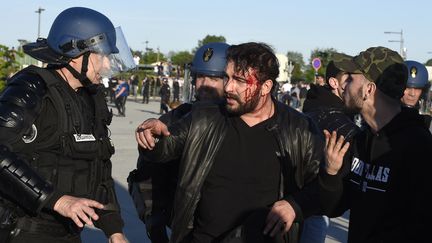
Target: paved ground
x,y
124,160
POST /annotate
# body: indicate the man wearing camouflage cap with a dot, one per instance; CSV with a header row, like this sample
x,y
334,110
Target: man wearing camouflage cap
x,y
386,182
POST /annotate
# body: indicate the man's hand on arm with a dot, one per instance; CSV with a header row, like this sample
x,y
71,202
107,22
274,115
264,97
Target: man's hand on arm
x,y
146,132
280,218
334,152
78,209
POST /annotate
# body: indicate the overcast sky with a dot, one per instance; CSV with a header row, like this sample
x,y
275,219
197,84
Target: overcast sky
x,y
175,25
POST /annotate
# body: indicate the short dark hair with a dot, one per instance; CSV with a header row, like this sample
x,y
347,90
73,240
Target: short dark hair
x,y
332,71
258,56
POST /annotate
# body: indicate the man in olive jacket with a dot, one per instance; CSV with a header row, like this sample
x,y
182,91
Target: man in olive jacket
x,y
250,154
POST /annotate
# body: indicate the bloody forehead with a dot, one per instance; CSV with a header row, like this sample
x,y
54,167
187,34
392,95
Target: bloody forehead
x,y
251,80
249,76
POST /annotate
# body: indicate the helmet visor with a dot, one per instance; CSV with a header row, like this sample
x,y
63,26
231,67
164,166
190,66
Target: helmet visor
x,y
188,85
120,57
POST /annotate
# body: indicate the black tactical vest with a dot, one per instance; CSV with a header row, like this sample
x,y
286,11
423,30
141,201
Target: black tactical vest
x,y
76,159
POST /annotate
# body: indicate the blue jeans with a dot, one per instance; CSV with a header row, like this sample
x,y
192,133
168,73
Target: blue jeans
x,y
315,229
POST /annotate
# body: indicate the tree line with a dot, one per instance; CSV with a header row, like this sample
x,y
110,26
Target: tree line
x,y
301,71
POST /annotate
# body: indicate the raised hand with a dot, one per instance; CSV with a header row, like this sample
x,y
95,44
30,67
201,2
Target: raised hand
x,y
334,151
146,132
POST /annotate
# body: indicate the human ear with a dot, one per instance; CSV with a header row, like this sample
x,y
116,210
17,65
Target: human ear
x,y
333,82
266,87
370,90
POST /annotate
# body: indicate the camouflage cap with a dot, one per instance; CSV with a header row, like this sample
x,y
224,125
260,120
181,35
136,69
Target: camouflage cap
x,y
380,65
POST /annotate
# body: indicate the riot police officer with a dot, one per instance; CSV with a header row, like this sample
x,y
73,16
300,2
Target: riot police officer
x,y
417,88
55,150
152,186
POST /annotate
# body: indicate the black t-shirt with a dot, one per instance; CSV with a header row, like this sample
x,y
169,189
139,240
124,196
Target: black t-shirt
x,y
245,177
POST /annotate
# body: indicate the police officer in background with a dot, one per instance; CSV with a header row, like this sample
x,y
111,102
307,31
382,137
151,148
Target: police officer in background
x,y
55,150
416,90
152,186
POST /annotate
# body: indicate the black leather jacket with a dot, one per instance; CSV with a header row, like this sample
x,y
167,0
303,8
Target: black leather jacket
x,y
197,139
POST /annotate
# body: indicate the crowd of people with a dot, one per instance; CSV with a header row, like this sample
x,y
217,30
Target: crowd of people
x,y
222,193
119,89
239,163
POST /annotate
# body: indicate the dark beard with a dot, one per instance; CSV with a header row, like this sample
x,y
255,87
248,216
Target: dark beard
x,y
206,93
243,108
355,104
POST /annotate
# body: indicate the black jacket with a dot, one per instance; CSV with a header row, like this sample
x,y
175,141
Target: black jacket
x,y
197,139
328,111
159,180
165,93
386,182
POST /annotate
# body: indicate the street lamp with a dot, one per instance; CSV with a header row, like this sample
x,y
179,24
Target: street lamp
x,y
39,11
146,42
401,41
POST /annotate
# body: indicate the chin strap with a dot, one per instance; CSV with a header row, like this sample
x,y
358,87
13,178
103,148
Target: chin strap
x,y
82,77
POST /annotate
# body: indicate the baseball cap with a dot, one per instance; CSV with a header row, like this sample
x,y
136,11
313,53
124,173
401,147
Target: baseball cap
x,y
380,65
332,69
